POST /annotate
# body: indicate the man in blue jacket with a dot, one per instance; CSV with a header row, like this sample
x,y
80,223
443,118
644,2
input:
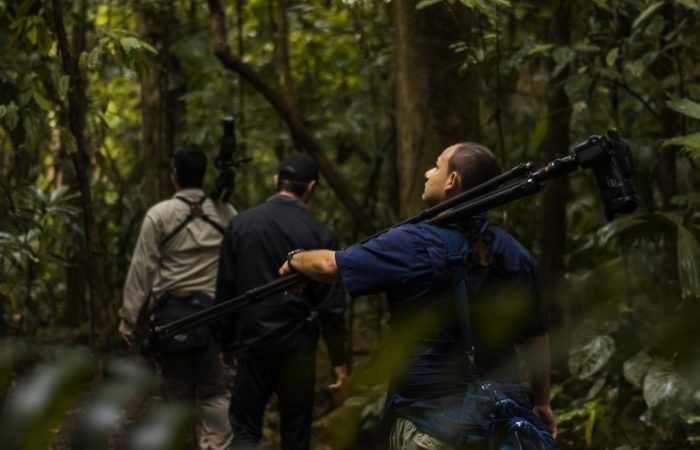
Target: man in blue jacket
x,y
416,265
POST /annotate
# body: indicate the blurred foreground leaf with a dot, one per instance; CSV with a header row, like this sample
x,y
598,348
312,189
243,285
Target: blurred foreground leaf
x,y
101,417
37,405
167,428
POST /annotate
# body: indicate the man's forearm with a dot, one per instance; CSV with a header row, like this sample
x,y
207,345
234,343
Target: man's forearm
x,y
318,265
538,363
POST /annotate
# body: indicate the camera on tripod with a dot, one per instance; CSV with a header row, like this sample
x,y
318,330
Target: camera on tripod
x,y
224,162
611,161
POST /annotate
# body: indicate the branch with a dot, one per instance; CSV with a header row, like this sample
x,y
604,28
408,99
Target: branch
x,y
300,135
634,94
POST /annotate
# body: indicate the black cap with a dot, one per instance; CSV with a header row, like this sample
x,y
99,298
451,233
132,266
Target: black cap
x,y
298,167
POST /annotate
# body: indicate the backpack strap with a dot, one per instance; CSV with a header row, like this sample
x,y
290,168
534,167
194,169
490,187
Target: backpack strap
x,y
196,212
461,266
480,255
481,247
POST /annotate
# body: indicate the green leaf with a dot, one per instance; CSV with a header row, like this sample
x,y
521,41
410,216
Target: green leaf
x,y
102,162
12,118
635,68
563,55
611,57
32,34
647,13
689,142
43,102
589,358
63,85
586,48
538,134
94,59
603,4
3,110
129,43
635,368
590,423
32,126
685,106
663,385
688,248
540,48
25,7
692,4
688,262
68,141
425,3
57,194
688,256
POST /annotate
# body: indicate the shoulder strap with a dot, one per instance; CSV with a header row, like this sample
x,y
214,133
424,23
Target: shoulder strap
x,y
481,249
196,212
459,287
481,255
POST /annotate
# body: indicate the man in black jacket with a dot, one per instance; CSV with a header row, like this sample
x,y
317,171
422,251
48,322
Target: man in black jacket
x,y
274,341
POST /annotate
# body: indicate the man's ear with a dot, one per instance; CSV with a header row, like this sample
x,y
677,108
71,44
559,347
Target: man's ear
x,y
453,183
277,182
173,178
309,190
310,186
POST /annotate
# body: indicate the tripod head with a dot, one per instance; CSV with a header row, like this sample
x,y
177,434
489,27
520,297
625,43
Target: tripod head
x,y
224,163
611,161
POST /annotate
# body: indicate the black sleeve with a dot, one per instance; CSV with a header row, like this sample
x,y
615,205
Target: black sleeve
x,y
329,302
225,286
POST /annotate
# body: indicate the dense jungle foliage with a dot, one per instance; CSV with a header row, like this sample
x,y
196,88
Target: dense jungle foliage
x,y
95,95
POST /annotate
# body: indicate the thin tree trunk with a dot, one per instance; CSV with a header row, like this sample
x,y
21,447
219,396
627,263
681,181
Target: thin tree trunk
x,y
671,125
76,111
284,69
436,97
553,207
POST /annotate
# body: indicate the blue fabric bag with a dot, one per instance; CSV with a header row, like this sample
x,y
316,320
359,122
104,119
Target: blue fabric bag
x,y
499,415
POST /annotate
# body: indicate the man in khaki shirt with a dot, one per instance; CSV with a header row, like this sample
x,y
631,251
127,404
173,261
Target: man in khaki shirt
x,y
175,263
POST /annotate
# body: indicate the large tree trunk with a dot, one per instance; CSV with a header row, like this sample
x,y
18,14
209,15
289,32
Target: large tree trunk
x,y
553,207
436,98
160,90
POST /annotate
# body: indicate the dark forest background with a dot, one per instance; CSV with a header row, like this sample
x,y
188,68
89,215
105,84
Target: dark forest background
x,y
95,95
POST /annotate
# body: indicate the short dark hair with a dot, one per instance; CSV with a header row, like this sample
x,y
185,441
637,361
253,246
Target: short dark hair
x,y
190,164
295,187
474,163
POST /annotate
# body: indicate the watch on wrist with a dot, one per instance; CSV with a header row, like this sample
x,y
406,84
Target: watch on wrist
x,y
290,255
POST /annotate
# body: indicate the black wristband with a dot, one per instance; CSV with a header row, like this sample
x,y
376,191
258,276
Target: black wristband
x,y
290,255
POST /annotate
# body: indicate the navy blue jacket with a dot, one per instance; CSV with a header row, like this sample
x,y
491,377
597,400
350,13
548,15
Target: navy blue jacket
x,y
414,265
